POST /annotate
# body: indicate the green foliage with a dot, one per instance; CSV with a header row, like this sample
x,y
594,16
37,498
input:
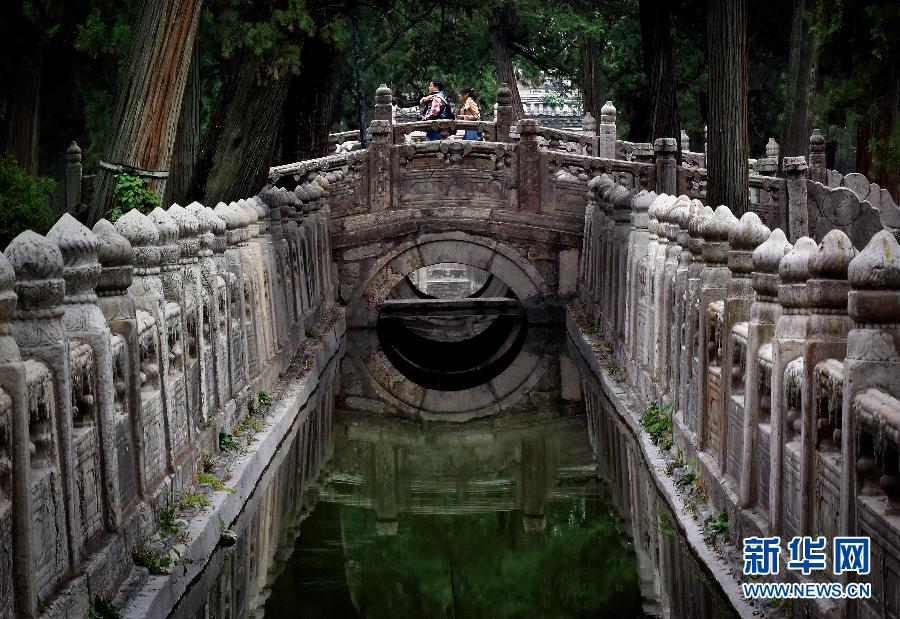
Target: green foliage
x,y
133,192
717,526
189,501
553,99
24,201
156,563
264,398
167,524
42,605
686,479
657,422
103,609
226,441
207,479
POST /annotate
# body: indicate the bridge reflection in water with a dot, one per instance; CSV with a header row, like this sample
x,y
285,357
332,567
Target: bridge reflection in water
x,y
383,505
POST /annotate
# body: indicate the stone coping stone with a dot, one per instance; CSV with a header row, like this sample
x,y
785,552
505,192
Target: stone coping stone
x,y
628,410
160,594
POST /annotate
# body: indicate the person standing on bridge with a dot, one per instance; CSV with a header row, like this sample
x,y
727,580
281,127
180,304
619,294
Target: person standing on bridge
x,y
437,106
469,111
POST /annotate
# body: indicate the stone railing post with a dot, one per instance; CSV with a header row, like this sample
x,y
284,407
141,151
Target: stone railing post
x,y
713,284
589,128
764,313
873,351
381,137
679,363
73,178
666,166
695,267
606,136
528,155
84,320
818,170
788,345
13,383
685,141
637,248
504,117
773,150
826,338
39,331
794,169
115,256
744,238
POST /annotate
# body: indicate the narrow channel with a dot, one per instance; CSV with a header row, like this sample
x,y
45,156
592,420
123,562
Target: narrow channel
x,y
524,498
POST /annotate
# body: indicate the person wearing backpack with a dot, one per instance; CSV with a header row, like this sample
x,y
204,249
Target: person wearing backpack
x,y
437,106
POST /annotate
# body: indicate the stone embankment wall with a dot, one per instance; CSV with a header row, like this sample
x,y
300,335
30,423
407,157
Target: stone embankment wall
x,y
779,353
124,352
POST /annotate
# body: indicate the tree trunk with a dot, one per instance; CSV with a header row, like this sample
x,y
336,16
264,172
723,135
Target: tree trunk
x,y
187,141
801,81
237,150
149,102
23,121
502,21
592,90
874,156
308,105
728,148
656,35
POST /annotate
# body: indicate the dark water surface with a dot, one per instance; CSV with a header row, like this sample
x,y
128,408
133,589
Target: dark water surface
x,y
520,495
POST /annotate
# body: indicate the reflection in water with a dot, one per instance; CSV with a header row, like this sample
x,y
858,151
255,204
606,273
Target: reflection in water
x,y
386,507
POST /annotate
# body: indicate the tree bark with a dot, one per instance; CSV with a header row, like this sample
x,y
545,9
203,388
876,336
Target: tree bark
x,y
187,141
503,19
23,114
728,148
592,90
149,102
237,150
656,35
309,103
801,81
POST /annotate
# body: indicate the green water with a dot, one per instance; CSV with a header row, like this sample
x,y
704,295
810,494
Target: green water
x,y
475,521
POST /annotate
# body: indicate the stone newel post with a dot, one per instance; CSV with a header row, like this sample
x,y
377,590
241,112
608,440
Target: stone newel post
x,y
666,170
380,140
606,137
73,177
528,153
873,354
794,169
504,118
817,167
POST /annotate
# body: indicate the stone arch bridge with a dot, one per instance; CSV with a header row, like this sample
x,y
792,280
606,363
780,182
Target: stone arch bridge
x,y
127,351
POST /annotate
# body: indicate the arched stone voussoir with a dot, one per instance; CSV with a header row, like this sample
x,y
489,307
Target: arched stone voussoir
x,y
505,262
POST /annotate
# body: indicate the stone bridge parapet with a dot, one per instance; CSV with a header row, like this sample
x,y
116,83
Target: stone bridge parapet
x,y
779,354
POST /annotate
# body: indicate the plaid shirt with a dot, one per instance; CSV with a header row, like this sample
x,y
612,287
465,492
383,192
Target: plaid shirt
x,y
437,102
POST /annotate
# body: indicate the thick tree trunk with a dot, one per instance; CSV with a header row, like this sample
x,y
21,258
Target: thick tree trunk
x,y
801,81
592,90
308,106
237,150
656,35
728,148
502,21
23,114
187,141
874,156
149,102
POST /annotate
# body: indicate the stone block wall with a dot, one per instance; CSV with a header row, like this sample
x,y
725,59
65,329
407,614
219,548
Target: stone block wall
x,y
124,351
781,360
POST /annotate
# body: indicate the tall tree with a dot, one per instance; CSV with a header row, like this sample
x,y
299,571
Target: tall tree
x,y
187,140
727,142
149,102
656,35
20,92
592,90
238,147
801,81
503,22
309,102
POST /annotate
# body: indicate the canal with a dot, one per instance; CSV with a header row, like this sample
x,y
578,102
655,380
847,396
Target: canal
x,y
414,488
